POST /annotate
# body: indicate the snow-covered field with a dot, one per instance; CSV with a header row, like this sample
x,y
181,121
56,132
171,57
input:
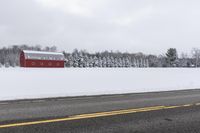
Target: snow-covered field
x,y
21,83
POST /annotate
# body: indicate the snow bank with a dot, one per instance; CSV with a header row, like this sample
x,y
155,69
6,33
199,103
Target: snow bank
x,y
21,83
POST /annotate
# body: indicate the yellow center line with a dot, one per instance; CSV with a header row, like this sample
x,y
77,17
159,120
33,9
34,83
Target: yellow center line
x,y
172,107
128,111
93,115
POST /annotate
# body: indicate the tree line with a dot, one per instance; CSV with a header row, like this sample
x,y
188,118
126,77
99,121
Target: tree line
x,y
9,57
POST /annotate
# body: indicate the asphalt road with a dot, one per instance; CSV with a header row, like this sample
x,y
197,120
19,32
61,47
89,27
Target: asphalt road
x,y
174,112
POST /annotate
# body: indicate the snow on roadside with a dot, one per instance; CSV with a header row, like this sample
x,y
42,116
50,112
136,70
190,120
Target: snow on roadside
x,y
22,83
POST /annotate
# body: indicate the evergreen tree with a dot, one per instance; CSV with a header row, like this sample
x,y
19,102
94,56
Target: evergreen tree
x,y
171,57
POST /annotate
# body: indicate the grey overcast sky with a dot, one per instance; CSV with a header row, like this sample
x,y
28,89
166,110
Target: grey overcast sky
x,y
149,26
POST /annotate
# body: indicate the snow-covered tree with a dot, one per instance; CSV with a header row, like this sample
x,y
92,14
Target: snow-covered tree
x,y
7,64
196,54
172,57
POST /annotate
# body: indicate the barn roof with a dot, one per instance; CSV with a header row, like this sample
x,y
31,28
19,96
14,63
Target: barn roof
x,y
42,55
41,52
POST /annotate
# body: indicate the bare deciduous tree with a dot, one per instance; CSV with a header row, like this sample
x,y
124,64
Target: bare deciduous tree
x,y
196,54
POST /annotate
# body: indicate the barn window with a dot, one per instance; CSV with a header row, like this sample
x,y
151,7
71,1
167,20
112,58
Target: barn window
x,y
33,63
49,63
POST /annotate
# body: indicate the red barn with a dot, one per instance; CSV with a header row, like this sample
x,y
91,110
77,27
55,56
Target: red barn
x,y
41,59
